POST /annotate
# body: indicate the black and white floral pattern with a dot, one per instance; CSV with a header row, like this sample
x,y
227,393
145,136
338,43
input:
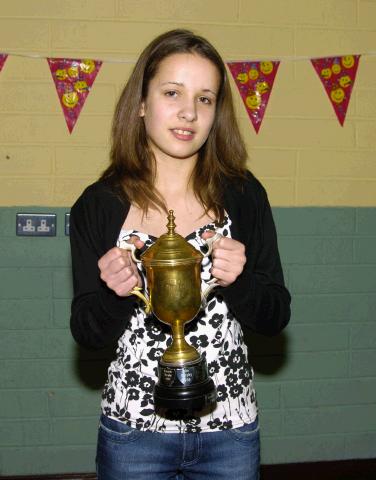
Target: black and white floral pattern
x,y
128,393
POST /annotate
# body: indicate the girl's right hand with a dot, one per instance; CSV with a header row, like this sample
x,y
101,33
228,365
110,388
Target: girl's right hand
x,y
118,270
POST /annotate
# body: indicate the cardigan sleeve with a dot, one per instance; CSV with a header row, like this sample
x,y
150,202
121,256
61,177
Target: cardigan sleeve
x,y
259,298
98,315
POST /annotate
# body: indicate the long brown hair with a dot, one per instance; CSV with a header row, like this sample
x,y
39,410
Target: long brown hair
x,y
132,164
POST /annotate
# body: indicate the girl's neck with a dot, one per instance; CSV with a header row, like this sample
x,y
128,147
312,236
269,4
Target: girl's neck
x,y
173,178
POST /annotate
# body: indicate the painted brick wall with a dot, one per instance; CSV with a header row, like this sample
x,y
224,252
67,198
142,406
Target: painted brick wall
x,y
316,382
301,153
319,376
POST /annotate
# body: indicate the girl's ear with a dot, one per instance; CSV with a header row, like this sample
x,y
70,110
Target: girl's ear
x,y
142,109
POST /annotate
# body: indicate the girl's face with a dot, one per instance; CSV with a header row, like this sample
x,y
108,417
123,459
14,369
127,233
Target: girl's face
x,y
180,106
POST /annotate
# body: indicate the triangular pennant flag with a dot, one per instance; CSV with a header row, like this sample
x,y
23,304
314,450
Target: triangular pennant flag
x,y
3,57
73,80
255,82
337,74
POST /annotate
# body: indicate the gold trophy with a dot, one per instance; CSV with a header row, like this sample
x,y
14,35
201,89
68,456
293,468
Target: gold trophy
x,y
173,272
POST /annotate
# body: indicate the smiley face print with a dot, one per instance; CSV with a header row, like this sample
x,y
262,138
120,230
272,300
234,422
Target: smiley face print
x,y
262,87
61,74
81,86
253,73
242,77
253,100
70,99
348,61
87,66
266,67
345,81
337,95
73,71
326,73
336,68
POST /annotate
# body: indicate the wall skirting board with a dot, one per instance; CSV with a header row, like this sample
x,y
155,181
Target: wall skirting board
x,y
364,469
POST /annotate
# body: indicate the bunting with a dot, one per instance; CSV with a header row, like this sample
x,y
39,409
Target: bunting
x,y
255,82
73,80
337,74
3,57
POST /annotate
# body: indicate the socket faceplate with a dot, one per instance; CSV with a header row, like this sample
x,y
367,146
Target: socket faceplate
x,y
67,218
36,224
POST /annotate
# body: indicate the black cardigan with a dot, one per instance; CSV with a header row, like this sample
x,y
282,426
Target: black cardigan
x,y
258,297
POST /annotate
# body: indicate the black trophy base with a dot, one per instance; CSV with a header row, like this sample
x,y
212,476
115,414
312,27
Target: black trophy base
x,y
186,387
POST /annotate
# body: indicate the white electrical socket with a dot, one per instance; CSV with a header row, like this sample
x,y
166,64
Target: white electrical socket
x,y
36,224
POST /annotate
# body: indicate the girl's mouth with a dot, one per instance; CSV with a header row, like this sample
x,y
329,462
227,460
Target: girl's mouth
x,y
182,134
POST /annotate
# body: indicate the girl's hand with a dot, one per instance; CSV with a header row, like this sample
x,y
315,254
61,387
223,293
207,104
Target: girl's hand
x,y
228,259
118,270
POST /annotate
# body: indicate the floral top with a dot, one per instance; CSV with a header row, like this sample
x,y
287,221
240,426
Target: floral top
x,y
214,332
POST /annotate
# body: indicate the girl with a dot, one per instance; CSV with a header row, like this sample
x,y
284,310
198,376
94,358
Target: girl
x,y
176,145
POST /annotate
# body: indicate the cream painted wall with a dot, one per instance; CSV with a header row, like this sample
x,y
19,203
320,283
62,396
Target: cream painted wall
x,y
302,154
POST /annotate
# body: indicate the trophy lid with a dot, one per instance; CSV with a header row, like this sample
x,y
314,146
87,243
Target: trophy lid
x,y
171,248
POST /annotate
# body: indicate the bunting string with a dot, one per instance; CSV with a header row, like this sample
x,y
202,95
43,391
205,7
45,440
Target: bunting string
x,y
106,60
281,58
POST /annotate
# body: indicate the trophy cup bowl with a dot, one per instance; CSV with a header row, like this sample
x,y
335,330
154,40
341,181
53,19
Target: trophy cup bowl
x,y
173,272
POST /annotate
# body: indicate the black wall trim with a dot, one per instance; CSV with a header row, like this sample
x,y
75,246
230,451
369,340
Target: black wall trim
x,y
336,470
56,476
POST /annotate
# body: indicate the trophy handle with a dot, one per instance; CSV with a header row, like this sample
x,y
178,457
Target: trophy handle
x,y
137,290
213,282
204,295
130,247
210,241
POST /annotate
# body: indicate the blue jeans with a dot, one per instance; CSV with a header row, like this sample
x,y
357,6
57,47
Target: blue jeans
x,y
124,453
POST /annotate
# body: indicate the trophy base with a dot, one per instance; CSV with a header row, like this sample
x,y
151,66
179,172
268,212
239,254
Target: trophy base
x,y
184,387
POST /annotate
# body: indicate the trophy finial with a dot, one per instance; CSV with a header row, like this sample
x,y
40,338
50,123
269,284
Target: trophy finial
x,y
171,223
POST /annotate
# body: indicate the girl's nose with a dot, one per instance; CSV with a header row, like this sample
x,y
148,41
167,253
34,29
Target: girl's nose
x,y
188,111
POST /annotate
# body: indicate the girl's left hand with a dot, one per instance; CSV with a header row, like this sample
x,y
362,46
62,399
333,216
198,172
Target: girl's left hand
x,y
228,259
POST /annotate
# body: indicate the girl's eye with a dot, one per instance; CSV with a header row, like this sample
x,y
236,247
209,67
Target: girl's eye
x,y
171,93
205,100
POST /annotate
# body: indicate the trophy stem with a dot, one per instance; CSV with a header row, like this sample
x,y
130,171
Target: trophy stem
x,y
179,351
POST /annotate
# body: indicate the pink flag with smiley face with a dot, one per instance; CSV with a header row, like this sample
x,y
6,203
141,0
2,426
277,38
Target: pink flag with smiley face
x,y
255,82
73,81
337,74
3,57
